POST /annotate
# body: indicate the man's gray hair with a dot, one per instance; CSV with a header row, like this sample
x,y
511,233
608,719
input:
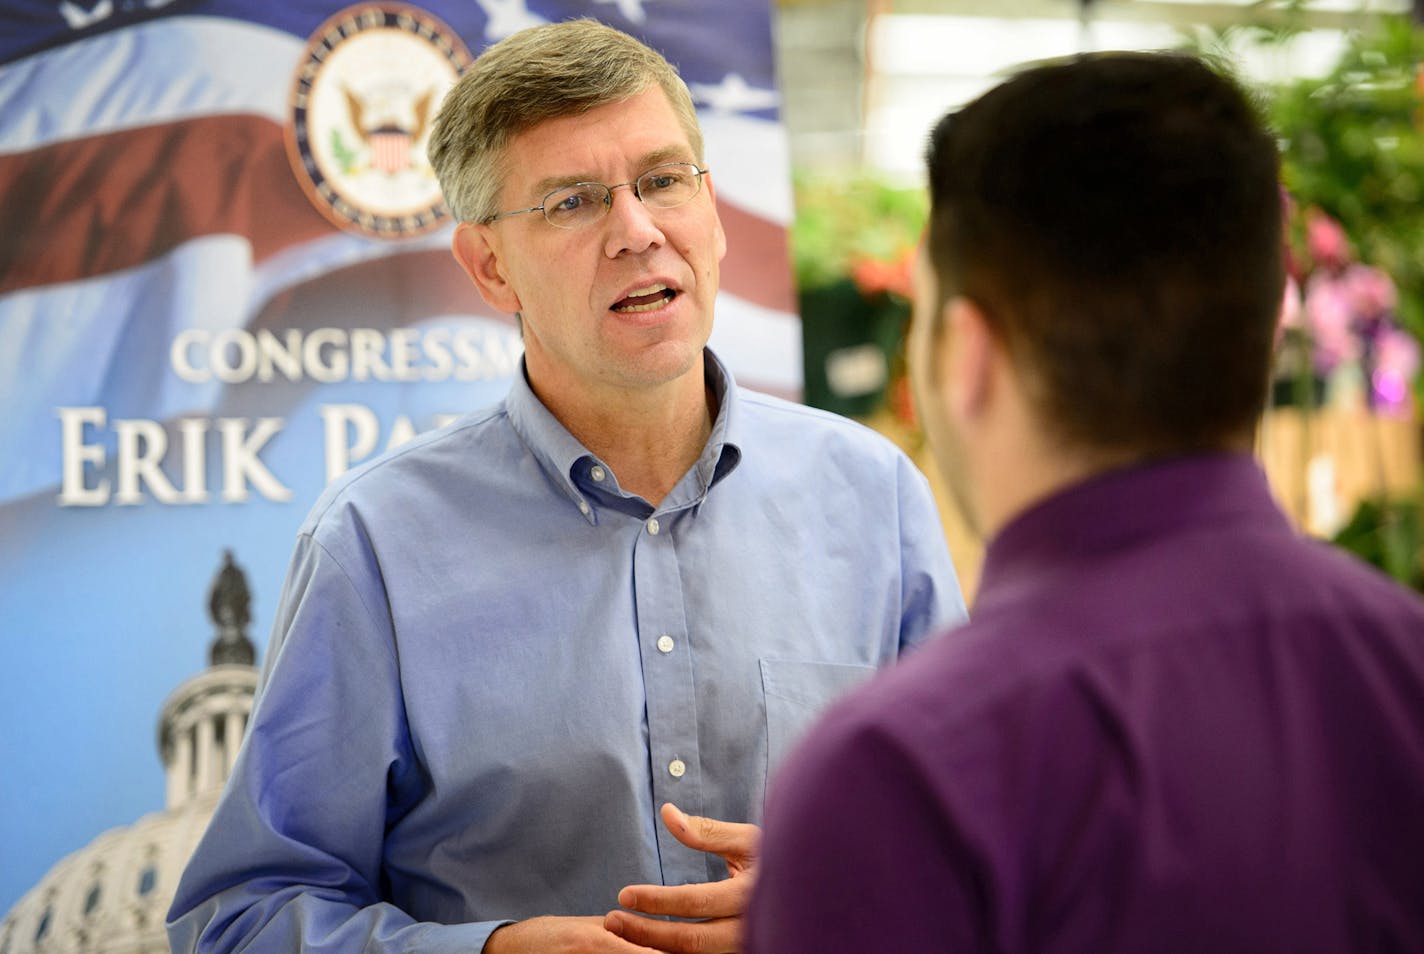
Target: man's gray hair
x,y
543,73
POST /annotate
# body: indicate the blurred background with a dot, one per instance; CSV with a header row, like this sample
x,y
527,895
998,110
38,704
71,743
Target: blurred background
x,y
1341,83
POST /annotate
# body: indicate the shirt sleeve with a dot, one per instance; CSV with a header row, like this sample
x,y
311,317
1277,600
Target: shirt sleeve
x,y
931,599
292,859
858,856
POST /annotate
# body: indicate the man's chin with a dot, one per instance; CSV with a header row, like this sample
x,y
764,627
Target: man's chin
x,y
662,363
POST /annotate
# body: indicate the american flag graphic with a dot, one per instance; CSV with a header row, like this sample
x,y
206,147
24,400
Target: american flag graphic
x,y
159,248
390,150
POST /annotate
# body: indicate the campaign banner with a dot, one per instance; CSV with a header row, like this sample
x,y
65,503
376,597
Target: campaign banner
x,y
225,279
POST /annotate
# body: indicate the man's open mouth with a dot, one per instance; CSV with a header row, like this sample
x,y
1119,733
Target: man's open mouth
x,y
644,299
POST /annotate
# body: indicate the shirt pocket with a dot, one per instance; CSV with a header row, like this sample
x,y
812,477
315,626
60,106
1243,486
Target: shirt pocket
x,y
797,692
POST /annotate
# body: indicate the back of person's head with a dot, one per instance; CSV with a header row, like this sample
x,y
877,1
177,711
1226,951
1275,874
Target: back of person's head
x,y
542,73
1117,219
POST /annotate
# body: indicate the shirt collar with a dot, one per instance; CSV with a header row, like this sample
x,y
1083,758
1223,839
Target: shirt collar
x,y
724,447
1123,507
568,462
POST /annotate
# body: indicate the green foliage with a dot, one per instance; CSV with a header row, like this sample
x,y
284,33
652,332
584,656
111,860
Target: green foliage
x,y
843,221
1389,535
1354,146
1353,140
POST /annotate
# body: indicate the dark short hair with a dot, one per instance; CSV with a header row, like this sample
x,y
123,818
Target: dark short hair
x,y
1118,220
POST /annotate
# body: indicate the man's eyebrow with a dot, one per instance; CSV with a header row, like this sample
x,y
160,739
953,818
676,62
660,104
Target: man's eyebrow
x,y
666,154
546,185
648,160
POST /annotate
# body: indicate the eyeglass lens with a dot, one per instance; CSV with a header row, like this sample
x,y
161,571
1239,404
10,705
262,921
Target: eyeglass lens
x,y
664,187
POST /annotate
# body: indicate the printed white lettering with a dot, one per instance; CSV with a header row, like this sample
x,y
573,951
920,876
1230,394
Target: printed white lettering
x,y
284,356
366,361
194,432
435,343
142,445
339,420
246,364
331,355
178,355
142,448
73,492
402,430
321,369
403,354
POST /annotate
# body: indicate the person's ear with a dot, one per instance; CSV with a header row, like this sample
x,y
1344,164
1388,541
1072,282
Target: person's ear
x,y
720,237
969,351
475,247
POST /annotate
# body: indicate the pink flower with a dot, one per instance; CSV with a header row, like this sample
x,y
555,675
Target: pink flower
x,y
1326,240
1370,290
1330,320
1396,364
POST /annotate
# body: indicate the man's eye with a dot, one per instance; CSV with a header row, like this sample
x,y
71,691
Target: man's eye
x,y
570,203
664,182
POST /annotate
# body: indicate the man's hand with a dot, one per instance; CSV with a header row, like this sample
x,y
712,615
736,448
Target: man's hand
x,y
560,936
717,906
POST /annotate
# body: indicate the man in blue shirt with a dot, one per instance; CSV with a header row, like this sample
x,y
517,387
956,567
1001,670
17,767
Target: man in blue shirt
x,y
505,650
1173,726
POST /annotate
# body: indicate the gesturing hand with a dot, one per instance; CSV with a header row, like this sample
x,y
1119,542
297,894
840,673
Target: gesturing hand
x,y
716,906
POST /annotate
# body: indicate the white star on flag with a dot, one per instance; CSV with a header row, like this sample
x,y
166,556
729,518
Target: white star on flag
x,y
507,17
733,95
631,9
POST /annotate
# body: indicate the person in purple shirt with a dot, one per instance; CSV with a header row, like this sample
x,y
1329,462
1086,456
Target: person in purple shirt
x,y
1172,724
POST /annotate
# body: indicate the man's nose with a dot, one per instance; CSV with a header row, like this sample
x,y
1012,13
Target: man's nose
x,y
631,227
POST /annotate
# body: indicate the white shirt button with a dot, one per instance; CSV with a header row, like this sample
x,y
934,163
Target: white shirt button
x,y
583,507
598,473
677,768
653,526
665,644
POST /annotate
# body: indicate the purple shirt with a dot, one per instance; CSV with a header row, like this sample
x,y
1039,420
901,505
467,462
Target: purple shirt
x,y
1172,725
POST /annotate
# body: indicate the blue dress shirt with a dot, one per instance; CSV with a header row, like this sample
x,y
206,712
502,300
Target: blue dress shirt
x,y
491,665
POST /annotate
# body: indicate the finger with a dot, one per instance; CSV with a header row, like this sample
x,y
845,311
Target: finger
x,y
629,946
717,899
728,839
720,936
610,942
561,935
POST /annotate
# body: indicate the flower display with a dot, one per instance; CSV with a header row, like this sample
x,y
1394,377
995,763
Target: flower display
x,y
1345,310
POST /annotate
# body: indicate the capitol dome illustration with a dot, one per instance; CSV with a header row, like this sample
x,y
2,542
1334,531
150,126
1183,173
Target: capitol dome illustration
x,y
111,896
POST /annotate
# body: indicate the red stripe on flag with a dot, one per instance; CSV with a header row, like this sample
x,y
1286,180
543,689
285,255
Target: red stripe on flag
x,y
102,204
105,203
758,265
390,292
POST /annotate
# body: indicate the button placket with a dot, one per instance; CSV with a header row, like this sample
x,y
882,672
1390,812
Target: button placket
x,y
669,691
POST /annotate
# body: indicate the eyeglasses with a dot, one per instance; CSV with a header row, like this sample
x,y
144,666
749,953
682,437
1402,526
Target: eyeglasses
x,y
665,186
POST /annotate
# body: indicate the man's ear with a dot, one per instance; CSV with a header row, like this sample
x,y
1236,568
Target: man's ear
x,y
720,237
474,247
970,352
